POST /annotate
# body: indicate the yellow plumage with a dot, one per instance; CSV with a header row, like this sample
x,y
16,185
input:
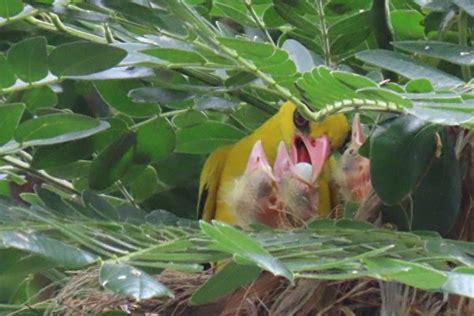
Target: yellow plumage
x,y
229,162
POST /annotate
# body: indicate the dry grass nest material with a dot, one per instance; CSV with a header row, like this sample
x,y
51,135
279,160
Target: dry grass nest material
x,y
268,295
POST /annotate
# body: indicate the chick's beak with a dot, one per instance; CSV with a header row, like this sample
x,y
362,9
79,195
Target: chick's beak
x,y
357,136
258,160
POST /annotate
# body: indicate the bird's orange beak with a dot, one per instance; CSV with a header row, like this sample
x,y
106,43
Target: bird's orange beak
x,y
306,158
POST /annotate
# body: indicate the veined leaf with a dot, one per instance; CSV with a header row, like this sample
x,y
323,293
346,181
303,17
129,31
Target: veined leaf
x,y
408,67
454,53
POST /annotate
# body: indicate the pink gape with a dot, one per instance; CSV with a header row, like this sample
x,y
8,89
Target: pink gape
x,y
355,179
286,195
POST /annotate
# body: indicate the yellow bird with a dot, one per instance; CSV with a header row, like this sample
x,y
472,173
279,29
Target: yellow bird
x,y
228,163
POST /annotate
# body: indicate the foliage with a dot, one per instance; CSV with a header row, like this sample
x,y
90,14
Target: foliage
x,y
112,105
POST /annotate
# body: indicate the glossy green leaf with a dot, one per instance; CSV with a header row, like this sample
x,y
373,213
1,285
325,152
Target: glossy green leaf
x,y
454,53
240,244
224,282
9,8
28,59
37,98
10,115
57,251
71,60
204,138
115,94
413,274
400,152
57,128
126,280
8,78
408,67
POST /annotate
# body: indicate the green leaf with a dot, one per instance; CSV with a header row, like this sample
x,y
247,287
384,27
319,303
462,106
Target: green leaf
x,y
466,5
115,94
57,155
43,97
145,184
155,141
240,244
437,199
419,86
460,283
444,113
71,60
408,67
29,59
57,128
413,274
8,78
266,57
348,33
176,56
9,8
204,138
188,119
100,205
126,280
60,253
300,55
400,152
454,53
10,115
113,162
158,95
407,24
224,282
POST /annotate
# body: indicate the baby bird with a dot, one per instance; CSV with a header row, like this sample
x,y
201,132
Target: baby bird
x,y
354,174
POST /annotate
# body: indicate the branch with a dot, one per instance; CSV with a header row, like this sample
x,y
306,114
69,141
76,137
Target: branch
x,y
60,184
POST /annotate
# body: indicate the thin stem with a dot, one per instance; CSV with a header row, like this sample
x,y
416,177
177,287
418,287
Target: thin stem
x,y
463,41
324,33
31,85
127,194
58,183
19,17
58,26
258,21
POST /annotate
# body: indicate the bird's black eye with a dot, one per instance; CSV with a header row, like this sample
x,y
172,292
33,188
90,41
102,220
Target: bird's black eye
x,y
300,121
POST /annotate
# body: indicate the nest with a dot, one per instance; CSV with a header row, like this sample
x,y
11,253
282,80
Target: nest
x,y
268,295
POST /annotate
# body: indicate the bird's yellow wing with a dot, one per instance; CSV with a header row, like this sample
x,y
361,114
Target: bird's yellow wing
x,y
209,182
